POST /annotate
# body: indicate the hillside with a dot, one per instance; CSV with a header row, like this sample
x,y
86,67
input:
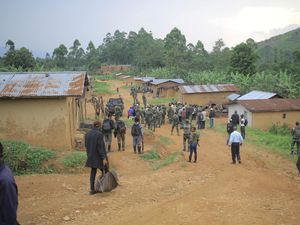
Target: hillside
x,y
287,42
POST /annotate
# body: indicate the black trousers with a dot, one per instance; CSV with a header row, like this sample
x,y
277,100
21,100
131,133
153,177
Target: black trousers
x,y
235,152
93,177
298,162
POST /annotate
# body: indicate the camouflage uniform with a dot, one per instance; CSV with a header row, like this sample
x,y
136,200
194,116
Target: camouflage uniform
x,y
193,142
164,112
175,123
160,117
120,134
148,117
170,114
186,133
153,121
118,111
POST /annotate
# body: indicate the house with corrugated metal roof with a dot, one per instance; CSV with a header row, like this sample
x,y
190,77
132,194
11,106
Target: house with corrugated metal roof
x,y
259,95
206,94
165,87
263,113
43,109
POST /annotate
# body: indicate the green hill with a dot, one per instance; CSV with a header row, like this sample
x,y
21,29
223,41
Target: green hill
x,y
287,42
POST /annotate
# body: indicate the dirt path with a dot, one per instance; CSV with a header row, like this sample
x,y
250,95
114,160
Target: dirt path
x,y
263,190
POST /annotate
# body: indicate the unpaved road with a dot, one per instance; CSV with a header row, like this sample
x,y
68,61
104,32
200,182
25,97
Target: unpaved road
x,y
264,189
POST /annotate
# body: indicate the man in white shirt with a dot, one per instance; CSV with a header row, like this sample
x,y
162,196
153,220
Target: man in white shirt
x,y
235,141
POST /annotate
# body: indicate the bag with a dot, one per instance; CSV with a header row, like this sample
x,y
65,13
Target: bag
x,y
106,127
121,127
246,122
106,183
135,130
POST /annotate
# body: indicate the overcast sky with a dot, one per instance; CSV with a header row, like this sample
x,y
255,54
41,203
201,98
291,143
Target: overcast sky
x,y
44,24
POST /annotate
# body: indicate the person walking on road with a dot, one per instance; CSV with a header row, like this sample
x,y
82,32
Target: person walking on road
x,y
96,154
235,118
211,117
107,128
295,139
243,124
235,141
186,133
175,123
8,193
119,133
193,143
137,135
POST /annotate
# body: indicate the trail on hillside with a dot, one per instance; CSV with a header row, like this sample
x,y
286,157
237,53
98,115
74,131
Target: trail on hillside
x,y
264,189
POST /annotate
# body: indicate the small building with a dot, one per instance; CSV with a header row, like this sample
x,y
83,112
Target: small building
x,y
43,109
128,80
206,94
259,95
165,87
263,113
141,81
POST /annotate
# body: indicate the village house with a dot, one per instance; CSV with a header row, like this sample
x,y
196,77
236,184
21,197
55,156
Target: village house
x,y
165,87
206,94
128,80
43,109
258,95
263,113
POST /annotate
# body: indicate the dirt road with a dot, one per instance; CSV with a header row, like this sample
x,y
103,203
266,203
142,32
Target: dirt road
x,y
264,189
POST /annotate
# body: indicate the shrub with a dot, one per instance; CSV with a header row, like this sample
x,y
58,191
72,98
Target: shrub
x,y
281,130
25,159
75,159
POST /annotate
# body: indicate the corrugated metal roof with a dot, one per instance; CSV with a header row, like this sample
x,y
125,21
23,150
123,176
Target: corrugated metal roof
x,y
258,95
18,85
233,96
191,89
160,81
271,105
125,77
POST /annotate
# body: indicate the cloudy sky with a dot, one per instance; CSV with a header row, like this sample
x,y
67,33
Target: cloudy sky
x,y
44,24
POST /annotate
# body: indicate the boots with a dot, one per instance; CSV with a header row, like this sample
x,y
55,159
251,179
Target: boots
x,y
123,147
119,146
190,158
109,148
139,149
134,149
195,160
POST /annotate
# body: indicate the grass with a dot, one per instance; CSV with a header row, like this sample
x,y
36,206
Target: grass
x,y
103,88
160,101
25,159
278,142
124,87
165,140
150,156
173,157
128,122
75,159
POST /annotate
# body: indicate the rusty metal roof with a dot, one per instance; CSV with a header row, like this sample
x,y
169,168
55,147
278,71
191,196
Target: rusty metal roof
x,y
33,85
271,105
160,81
193,89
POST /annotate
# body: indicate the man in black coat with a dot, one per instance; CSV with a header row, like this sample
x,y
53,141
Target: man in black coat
x,y
235,118
8,194
96,153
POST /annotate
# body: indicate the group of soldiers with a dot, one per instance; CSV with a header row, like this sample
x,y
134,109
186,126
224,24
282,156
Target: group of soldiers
x,y
98,104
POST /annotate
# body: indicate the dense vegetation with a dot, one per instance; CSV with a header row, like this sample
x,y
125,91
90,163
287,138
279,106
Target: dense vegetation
x,y
271,65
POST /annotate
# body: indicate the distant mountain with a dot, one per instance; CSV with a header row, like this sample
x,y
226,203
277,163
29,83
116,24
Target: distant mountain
x,y
287,42
278,48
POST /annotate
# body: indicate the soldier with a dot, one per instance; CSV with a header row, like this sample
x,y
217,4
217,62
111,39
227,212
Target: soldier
x,y
143,115
118,111
295,138
107,127
160,117
97,111
148,116
106,111
186,133
120,132
175,123
164,112
137,135
153,120
193,143
170,114
144,100
101,103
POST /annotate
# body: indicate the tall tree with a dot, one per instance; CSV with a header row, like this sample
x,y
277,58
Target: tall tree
x,y
243,59
60,56
10,44
21,59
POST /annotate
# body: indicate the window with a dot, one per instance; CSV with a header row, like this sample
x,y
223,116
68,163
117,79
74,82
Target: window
x,y
284,115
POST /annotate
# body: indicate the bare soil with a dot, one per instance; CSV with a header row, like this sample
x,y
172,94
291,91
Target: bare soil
x,y
264,189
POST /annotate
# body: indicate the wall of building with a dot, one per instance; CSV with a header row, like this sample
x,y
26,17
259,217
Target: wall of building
x,y
204,98
40,122
167,89
264,120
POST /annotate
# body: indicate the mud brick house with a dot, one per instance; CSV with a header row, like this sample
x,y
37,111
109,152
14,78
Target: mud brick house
x,y
165,87
206,94
43,109
263,113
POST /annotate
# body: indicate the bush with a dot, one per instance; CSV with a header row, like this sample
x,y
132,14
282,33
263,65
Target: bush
x,y
281,130
24,159
75,159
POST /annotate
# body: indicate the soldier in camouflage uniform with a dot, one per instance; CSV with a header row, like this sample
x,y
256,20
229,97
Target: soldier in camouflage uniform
x,y
144,100
148,116
164,111
118,111
143,115
193,143
106,111
119,133
160,117
170,114
175,123
186,133
153,120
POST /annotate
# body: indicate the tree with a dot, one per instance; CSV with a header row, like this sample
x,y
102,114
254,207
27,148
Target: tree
x,y
176,50
60,56
243,59
10,44
220,56
20,59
